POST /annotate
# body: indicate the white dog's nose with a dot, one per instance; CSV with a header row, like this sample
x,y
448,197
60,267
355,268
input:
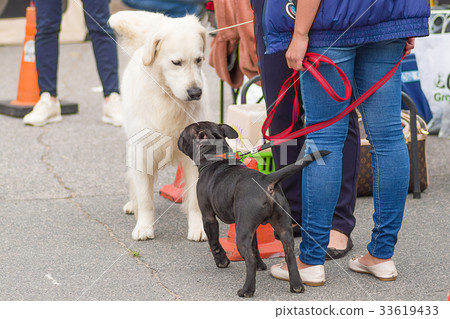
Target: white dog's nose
x,y
194,93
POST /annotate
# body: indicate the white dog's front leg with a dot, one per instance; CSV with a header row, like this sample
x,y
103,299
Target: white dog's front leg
x,y
190,203
131,206
143,186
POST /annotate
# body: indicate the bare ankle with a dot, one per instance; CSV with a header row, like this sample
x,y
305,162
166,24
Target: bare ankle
x,y
301,265
338,240
370,260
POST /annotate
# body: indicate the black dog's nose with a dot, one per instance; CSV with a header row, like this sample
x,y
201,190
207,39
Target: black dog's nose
x,y
194,93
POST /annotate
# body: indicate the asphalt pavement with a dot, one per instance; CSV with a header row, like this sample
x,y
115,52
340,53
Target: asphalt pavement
x,y
63,235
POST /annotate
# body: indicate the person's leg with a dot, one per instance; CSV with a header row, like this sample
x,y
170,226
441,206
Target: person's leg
x,y
274,72
390,160
321,185
103,40
48,22
343,218
105,51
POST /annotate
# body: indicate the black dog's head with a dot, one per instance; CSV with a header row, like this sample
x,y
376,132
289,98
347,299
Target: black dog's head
x,y
203,138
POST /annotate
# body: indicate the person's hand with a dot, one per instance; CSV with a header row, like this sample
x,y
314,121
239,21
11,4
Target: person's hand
x,y
410,43
296,51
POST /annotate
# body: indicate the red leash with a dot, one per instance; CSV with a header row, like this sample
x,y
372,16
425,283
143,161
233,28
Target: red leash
x,y
312,62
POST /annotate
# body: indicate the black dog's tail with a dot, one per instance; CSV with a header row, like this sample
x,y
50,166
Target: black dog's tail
x,y
277,176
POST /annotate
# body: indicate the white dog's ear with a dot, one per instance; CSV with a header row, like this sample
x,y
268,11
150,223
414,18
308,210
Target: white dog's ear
x,y
203,34
151,49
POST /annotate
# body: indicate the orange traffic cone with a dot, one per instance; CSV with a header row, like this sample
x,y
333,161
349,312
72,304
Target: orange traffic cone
x,y
268,246
250,162
174,192
28,89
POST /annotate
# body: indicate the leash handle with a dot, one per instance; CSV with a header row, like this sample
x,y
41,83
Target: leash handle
x,y
312,62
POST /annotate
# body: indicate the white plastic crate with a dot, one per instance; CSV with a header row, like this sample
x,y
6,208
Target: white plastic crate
x,y
247,120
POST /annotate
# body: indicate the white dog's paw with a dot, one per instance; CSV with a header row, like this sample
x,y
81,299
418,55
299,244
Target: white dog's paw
x,y
196,232
143,232
128,208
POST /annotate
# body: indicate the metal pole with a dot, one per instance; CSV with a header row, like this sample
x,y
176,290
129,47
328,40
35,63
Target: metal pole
x,y
414,148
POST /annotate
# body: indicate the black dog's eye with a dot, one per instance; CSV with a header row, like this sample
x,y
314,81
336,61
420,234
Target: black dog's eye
x,y
177,63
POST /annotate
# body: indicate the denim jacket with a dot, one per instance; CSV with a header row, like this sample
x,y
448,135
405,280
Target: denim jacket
x,y
346,22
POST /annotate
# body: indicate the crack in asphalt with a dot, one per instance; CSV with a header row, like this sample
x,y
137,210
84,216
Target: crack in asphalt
x,y
50,167
72,197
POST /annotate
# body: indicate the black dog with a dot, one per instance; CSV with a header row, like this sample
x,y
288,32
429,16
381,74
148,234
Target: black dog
x,y
237,194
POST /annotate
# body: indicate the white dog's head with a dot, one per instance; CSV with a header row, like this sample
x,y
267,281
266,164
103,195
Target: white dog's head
x,y
176,52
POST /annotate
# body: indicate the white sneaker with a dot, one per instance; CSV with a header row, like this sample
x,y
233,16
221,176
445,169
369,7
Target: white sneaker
x,y
45,111
112,113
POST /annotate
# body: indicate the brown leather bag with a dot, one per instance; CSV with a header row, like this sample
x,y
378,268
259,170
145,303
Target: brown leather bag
x,y
365,180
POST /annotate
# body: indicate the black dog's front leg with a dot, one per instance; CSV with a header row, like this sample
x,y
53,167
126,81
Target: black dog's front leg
x,y
211,227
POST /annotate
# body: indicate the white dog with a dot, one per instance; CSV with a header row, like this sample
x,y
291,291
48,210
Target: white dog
x,y
162,92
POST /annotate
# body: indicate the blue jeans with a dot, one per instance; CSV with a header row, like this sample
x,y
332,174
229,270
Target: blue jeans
x,y
364,65
48,23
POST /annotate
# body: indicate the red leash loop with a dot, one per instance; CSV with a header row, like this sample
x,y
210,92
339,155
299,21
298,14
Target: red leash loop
x,y
295,109
311,63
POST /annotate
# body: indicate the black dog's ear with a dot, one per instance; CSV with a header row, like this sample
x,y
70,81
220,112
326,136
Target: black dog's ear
x,y
228,131
181,144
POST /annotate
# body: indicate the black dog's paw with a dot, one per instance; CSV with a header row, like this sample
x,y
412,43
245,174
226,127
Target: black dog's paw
x,y
220,258
245,294
260,265
297,289
222,262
